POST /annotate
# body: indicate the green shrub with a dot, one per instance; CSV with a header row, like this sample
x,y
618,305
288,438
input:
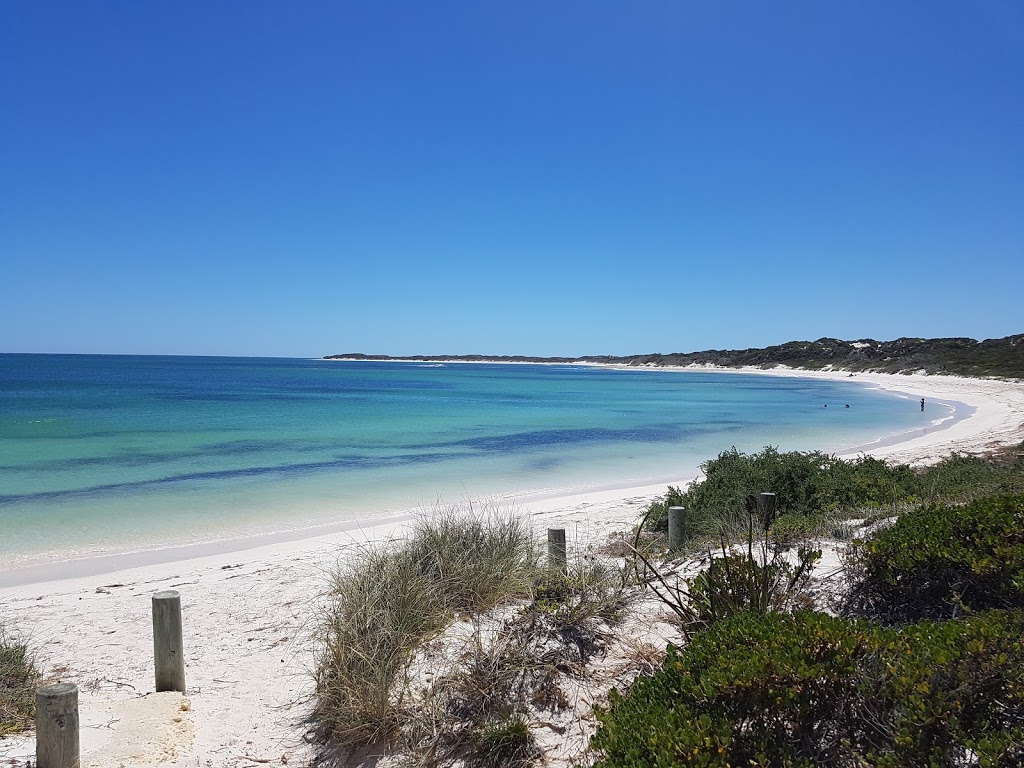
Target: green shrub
x,y
955,691
941,562
807,689
756,582
756,576
960,477
806,486
19,677
656,513
812,487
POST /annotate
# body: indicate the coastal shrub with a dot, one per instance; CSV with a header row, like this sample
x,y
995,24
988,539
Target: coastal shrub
x,y
807,689
806,484
942,561
385,600
19,677
734,583
756,576
656,515
961,477
814,489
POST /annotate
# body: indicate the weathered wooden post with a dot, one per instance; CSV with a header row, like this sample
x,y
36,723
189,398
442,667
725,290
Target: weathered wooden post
x,y
57,726
556,548
676,528
168,649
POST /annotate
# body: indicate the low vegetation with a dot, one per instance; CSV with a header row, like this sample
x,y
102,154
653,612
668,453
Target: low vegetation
x,y
19,677
757,575
388,599
942,561
439,648
451,646
817,492
959,356
768,687
807,689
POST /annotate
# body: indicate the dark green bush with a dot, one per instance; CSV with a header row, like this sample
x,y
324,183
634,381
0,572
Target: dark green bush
x,y
941,562
657,511
755,581
807,689
953,691
805,484
814,487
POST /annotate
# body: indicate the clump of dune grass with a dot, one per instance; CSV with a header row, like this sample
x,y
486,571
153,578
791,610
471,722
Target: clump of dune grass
x,y
506,743
386,600
476,558
19,677
588,589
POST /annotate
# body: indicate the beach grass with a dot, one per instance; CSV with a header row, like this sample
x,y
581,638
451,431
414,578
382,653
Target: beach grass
x,y
441,645
387,600
19,677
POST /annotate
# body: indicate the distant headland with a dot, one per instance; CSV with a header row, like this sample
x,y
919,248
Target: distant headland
x,y
954,356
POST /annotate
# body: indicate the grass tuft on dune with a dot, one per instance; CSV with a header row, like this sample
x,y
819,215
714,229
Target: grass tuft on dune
x,y
19,677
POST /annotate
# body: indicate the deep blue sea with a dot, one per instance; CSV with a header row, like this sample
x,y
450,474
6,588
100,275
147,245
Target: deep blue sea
x,y
101,453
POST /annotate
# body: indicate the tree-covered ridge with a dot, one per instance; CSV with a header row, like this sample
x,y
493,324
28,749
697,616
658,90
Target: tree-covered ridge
x,y
961,356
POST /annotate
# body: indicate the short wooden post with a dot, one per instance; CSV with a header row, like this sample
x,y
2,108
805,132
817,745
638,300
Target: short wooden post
x,y
57,726
676,528
556,548
168,649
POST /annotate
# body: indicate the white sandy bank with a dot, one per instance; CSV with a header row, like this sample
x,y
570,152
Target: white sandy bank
x,y
248,614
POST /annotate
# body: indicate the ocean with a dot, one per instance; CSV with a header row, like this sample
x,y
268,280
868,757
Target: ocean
x,y
101,454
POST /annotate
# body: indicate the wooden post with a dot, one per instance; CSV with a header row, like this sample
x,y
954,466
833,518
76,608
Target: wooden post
x,y
168,649
556,548
676,528
57,726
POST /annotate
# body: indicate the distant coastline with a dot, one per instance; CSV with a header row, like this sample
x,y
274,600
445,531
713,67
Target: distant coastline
x,y
999,358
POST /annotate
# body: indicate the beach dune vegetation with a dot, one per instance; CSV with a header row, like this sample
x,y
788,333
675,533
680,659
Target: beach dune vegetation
x,y
816,491
19,677
941,561
386,600
807,689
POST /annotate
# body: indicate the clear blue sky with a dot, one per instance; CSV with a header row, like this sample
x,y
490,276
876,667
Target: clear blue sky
x,y
280,178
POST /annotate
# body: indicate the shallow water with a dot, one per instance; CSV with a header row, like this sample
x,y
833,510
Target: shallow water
x,y
100,453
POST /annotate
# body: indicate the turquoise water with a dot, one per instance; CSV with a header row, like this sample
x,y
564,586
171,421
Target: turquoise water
x,y
101,453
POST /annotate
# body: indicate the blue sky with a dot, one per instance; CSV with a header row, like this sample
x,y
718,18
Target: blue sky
x,y
492,177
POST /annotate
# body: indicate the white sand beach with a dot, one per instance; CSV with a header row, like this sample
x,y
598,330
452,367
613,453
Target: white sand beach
x,y
249,614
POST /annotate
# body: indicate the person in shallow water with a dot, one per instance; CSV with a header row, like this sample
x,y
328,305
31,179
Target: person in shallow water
x,y
922,404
